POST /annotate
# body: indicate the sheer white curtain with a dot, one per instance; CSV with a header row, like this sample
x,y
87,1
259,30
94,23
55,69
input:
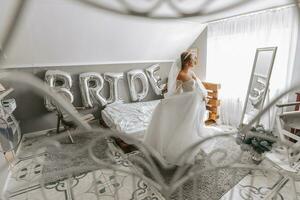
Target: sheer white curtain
x,y
232,44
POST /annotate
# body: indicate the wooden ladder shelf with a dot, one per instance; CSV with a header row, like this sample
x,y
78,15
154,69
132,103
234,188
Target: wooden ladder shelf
x,y
213,102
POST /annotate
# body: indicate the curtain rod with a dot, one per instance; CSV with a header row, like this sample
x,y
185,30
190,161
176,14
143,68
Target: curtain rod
x,y
252,13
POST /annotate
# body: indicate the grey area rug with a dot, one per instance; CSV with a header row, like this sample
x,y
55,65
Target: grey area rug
x,y
60,165
209,185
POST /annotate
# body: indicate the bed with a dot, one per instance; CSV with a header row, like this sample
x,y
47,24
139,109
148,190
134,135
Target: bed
x,y
129,118
134,118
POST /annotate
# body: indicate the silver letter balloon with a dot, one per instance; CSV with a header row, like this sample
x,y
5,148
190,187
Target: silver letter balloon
x,y
113,79
132,77
91,84
154,78
61,82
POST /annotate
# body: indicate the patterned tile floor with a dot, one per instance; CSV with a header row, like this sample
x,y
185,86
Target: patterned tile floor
x,y
100,184
264,185
23,183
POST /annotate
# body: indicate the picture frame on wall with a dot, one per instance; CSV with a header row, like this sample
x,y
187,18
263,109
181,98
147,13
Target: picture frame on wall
x,y
195,53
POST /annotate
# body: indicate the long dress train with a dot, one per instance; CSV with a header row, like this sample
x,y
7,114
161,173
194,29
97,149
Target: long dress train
x,y
178,122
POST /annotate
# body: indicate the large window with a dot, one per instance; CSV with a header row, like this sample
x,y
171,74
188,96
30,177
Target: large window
x,y
231,49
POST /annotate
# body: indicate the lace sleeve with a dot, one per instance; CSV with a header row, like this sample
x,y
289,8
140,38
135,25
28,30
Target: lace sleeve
x,y
201,86
178,87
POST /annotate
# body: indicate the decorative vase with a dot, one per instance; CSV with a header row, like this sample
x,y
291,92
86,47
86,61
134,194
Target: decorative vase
x,y
257,157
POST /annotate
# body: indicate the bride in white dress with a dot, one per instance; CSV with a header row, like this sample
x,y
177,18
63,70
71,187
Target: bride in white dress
x,y
178,120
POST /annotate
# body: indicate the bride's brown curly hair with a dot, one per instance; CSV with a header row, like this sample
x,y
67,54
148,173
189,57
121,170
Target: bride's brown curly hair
x,y
185,57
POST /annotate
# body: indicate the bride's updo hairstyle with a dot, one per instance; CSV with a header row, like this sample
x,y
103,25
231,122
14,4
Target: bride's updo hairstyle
x,y
186,57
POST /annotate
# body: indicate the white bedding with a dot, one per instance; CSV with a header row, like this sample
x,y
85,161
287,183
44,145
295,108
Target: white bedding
x,y
130,118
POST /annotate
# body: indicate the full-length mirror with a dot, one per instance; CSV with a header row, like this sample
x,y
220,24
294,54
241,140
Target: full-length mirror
x,y
259,83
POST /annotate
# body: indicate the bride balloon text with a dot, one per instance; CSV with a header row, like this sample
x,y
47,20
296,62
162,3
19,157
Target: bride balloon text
x,y
61,82
92,83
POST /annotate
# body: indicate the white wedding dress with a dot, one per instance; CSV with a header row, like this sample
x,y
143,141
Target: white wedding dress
x,y
178,122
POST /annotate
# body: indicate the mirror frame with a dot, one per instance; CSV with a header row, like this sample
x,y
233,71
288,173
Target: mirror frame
x,y
274,50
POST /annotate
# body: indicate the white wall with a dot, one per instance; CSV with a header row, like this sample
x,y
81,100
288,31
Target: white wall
x,y
63,32
201,44
31,111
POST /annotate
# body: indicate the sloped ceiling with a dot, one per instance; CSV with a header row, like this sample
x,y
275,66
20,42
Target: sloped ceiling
x,y
60,32
63,32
